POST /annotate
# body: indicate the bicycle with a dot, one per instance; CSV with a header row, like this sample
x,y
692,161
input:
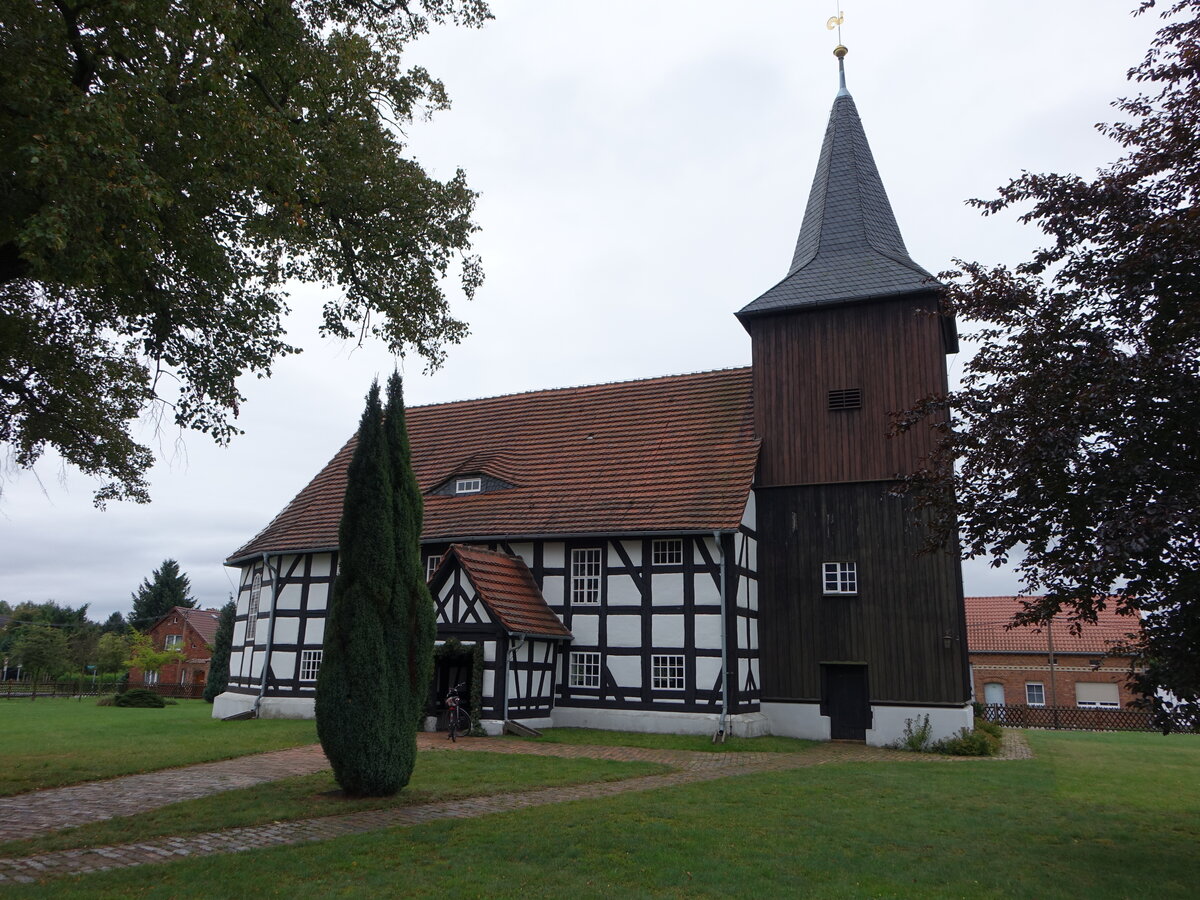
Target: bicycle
x,y
457,718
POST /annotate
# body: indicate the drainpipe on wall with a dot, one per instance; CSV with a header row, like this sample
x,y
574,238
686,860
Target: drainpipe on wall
x,y
721,732
266,669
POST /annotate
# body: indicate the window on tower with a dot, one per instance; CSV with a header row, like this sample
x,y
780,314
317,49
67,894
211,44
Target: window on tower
x,y
840,577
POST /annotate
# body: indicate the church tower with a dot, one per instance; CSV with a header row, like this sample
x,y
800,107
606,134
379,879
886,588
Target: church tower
x,y
858,631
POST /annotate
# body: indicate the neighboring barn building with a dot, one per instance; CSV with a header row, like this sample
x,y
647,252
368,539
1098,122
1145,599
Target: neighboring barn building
x,y
1047,666
191,631
714,551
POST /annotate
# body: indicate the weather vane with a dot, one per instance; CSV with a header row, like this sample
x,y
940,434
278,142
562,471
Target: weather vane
x,y
836,22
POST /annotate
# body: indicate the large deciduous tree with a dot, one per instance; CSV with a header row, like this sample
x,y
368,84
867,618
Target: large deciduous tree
x,y
1077,432
166,167
359,704
42,651
166,587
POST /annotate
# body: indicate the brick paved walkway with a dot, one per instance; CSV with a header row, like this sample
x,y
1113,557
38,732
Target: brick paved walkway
x,y
99,800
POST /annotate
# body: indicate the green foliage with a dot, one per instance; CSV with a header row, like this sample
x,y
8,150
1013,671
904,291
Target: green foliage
x,y
42,650
115,624
144,656
171,166
111,652
982,724
413,620
218,666
1074,448
917,736
139,698
968,742
107,700
358,701
157,595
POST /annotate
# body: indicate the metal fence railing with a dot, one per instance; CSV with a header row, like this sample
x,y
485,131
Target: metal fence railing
x,y
1071,718
81,688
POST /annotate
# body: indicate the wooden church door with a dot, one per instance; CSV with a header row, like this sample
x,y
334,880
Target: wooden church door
x,y
847,703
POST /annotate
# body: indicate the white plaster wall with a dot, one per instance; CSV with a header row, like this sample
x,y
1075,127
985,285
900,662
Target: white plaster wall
x,y
748,594
586,629
626,670
656,722
708,632
748,632
632,548
290,596
750,514
552,590
706,591
624,631
489,649
283,664
318,596
667,632
228,704
239,632
667,589
524,550
622,591
489,683
321,565
553,556
888,722
314,632
798,720
707,670
287,708
256,664
287,629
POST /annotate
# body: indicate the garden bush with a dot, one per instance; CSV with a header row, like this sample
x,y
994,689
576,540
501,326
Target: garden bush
x,y
140,698
107,700
968,742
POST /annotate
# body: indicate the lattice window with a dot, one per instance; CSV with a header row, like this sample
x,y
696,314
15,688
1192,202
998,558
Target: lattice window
x,y
846,398
1035,693
585,670
585,576
667,552
310,664
431,564
666,673
173,642
468,485
252,608
840,577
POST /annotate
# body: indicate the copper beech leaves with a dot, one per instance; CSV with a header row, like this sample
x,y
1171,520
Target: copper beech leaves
x,y
1075,448
166,168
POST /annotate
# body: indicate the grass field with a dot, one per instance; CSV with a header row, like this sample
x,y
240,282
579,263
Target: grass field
x,y
49,743
698,742
1108,815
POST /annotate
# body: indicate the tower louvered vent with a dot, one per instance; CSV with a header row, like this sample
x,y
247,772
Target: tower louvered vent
x,y
847,398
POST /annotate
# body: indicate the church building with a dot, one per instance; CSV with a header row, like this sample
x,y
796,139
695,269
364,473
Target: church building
x,y
717,552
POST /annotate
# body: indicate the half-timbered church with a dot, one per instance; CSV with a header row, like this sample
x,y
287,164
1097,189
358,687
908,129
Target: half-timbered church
x,y
714,552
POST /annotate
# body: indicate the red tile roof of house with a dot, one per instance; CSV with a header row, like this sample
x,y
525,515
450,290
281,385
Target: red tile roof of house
x,y
988,616
507,588
659,455
203,621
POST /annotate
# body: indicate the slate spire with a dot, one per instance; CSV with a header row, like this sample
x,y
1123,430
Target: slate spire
x,y
849,246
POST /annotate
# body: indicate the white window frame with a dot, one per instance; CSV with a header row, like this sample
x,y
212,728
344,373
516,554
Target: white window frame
x,y
310,664
839,578
583,669
587,572
1098,704
252,606
431,564
1041,689
668,672
667,552
149,678
468,485
173,642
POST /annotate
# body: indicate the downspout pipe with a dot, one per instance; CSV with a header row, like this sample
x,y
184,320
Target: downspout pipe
x,y
723,729
266,669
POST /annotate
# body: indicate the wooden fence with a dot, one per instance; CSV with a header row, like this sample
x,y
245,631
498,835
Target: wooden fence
x,y
81,688
1070,718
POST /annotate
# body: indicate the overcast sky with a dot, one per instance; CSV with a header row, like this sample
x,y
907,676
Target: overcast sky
x,y
643,168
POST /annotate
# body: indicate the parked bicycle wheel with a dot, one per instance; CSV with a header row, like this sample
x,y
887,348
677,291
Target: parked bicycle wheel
x,y
460,723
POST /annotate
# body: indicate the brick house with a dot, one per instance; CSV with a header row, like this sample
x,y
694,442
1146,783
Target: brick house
x,y
1047,666
191,631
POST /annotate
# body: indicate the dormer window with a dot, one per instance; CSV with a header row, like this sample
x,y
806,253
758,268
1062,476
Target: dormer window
x,y
468,485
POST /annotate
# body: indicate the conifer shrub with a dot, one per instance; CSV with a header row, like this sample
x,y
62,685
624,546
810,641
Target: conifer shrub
x,y
140,698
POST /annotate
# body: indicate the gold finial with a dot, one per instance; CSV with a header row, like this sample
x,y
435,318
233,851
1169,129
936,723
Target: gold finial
x,y
840,52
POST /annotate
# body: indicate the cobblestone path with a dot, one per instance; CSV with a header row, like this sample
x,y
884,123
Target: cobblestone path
x,y
99,801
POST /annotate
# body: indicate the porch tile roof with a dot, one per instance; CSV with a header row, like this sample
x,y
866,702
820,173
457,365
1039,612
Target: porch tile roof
x,y
667,454
508,590
988,616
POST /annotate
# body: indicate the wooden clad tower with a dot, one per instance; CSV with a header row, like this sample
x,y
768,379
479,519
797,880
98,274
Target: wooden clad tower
x,y
858,631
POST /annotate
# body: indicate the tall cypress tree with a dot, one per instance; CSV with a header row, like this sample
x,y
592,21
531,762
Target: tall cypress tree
x,y
358,703
413,621
218,665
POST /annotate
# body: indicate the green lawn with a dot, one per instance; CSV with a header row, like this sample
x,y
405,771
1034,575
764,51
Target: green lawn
x,y
1093,816
49,743
698,742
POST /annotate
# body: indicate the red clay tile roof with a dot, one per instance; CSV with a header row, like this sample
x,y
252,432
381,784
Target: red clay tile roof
x,y
507,588
663,454
203,621
987,616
